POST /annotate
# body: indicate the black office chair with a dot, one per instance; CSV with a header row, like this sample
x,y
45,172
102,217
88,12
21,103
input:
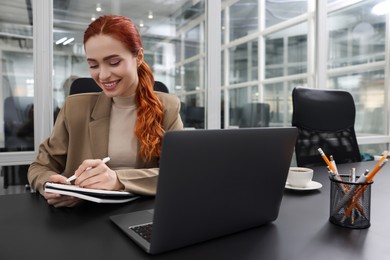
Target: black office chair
x,y
254,115
325,119
18,136
194,117
159,86
87,85
83,85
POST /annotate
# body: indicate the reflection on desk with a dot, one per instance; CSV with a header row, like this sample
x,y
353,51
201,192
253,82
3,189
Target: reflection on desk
x,y
32,229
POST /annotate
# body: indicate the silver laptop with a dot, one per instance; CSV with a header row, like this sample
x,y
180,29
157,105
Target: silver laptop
x,y
213,183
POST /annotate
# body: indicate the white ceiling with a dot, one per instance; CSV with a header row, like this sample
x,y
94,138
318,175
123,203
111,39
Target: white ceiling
x,y
75,15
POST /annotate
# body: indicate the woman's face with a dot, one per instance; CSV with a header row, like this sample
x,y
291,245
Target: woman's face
x,y
112,66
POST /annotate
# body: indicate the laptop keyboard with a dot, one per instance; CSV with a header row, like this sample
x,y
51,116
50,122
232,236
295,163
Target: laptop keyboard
x,y
145,231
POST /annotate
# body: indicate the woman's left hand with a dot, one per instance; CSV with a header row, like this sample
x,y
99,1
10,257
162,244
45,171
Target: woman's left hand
x,y
58,200
95,174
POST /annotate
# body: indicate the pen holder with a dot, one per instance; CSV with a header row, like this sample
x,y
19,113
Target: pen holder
x,y
350,203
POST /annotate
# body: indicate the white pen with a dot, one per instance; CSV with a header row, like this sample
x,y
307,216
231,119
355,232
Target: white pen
x,y
73,177
333,162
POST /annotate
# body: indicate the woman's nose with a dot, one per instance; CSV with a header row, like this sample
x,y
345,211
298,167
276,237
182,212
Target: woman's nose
x,y
104,73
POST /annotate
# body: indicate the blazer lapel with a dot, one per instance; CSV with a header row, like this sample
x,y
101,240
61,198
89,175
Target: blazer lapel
x,y
99,126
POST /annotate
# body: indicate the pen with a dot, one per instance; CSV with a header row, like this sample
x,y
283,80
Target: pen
x,y
353,179
353,174
73,177
332,161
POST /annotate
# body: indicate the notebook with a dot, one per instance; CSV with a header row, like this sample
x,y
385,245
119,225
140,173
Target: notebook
x,y
95,195
213,183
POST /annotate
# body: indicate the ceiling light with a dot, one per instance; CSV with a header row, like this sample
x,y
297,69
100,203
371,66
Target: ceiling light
x,y
93,17
98,7
382,8
141,23
68,41
61,40
150,15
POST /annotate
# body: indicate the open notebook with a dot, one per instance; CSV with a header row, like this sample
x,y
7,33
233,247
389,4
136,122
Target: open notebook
x,y
95,195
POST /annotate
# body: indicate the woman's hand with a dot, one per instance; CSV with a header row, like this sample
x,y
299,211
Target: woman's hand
x,y
95,174
58,200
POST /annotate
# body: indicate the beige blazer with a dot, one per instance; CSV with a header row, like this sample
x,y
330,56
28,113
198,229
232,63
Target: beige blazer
x,y
81,132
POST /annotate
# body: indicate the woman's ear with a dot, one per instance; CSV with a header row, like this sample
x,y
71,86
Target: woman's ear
x,y
140,56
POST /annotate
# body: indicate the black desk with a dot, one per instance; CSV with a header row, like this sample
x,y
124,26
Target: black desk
x,y
30,229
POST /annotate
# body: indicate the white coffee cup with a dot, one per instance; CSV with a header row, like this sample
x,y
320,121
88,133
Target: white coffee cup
x,y
299,176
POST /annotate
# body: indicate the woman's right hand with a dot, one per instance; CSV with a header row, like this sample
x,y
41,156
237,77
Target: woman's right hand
x,y
58,200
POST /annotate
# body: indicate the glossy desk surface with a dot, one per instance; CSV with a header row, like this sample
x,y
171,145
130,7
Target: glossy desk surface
x,y
30,229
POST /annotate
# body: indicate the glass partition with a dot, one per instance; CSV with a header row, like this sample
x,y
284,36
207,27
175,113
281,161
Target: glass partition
x,y
243,62
356,36
16,87
278,11
357,42
243,18
368,91
286,52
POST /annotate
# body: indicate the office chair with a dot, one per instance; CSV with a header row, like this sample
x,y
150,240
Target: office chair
x,y
87,85
254,115
83,85
159,86
18,136
194,117
325,119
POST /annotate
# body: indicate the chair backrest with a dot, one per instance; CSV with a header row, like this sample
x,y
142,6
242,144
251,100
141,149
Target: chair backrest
x,y
159,86
194,117
18,123
325,119
86,85
254,115
16,113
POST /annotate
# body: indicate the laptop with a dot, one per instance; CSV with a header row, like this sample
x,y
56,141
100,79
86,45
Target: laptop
x,y
213,183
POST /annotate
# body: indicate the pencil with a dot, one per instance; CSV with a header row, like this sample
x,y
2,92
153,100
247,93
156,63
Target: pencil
x,y
378,166
326,160
370,176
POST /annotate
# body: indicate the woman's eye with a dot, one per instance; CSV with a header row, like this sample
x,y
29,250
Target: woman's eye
x,y
114,62
92,65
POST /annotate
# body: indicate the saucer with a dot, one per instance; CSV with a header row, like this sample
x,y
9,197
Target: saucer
x,y
313,185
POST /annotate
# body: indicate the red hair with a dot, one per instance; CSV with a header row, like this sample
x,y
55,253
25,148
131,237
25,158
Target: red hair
x,y
148,128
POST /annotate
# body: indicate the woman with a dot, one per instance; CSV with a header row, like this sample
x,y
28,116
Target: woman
x,y
125,122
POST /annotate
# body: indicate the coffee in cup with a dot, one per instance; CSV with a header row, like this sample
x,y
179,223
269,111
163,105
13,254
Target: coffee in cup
x,y
299,176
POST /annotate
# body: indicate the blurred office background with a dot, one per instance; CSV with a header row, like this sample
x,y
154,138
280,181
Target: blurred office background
x,y
232,63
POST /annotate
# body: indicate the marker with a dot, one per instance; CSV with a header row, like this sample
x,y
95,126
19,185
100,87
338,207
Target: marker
x,y
73,177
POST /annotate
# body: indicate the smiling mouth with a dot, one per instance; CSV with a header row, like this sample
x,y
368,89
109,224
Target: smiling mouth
x,y
110,85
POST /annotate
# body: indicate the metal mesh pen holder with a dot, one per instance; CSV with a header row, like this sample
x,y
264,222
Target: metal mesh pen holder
x,y
350,203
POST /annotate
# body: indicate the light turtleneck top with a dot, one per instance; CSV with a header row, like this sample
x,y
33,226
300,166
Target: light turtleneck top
x,y
122,142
